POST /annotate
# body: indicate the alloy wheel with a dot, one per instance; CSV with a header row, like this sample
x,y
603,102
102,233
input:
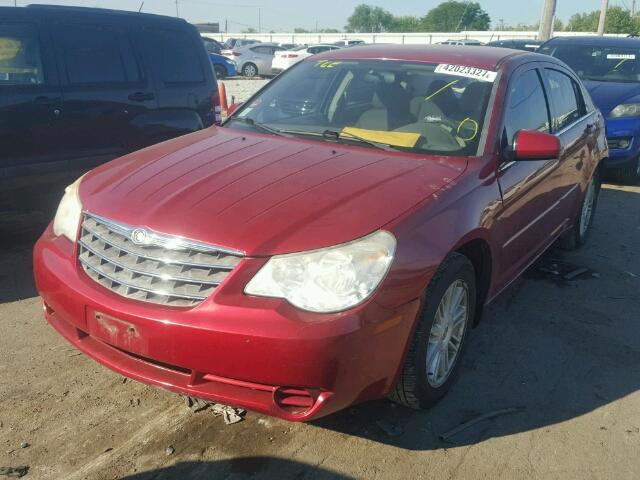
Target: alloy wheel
x,y
447,333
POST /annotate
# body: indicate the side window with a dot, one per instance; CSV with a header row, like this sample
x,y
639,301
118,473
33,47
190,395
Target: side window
x,y
96,54
313,50
20,56
262,50
526,106
565,99
175,55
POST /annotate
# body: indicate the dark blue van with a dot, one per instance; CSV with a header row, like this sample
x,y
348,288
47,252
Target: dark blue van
x,y
610,69
81,86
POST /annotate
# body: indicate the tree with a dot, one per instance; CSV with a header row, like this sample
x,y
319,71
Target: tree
x,y
454,16
365,19
406,23
249,30
300,30
618,20
329,30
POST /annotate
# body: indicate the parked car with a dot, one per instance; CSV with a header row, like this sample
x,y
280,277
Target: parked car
x,y
610,69
253,60
81,86
288,46
348,43
326,245
231,43
517,44
462,42
223,66
287,58
212,45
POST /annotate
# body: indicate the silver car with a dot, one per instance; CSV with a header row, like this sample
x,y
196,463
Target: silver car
x,y
255,59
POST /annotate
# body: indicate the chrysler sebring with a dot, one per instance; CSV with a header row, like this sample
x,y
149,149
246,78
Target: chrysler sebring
x,y
337,238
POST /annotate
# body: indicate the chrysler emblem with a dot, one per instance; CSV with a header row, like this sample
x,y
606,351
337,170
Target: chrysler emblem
x,y
139,236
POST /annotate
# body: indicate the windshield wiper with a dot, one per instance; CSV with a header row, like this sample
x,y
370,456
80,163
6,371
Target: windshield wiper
x,y
261,126
332,134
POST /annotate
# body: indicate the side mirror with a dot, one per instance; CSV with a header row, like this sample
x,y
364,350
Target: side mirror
x,y
232,108
532,145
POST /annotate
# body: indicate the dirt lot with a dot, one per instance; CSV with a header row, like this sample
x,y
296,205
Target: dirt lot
x,y
567,352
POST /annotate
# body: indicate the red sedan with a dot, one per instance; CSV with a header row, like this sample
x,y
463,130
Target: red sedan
x,y
337,238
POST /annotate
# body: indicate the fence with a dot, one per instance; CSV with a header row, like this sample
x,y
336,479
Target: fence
x,y
401,38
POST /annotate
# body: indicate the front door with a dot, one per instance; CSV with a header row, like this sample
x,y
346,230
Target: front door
x,y
529,219
104,90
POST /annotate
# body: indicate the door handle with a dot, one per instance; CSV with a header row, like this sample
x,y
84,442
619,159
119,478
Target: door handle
x,y
591,127
141,96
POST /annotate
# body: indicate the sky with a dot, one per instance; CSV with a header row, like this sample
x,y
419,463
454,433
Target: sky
x,y
284,15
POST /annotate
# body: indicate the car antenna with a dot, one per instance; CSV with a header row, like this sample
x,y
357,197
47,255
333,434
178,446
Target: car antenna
x,y
141,5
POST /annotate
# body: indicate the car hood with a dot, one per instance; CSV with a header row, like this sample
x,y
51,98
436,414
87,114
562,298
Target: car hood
x,y
608,95
263,194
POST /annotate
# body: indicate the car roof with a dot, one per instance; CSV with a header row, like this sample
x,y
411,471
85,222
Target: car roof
x,y
595,40
91,10
477,56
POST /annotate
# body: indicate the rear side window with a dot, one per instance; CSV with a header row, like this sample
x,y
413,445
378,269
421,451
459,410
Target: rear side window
x,y
20,57
263,50
526,106
96,54
565,99
176,56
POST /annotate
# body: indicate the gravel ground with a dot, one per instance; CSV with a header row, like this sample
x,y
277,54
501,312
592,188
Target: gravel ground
x,y
240,89
566,352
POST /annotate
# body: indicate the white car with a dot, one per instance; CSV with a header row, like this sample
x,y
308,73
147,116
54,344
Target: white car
x,y
287,58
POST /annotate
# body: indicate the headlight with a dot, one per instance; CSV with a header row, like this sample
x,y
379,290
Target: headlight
x,y
626,110
69,212
327,280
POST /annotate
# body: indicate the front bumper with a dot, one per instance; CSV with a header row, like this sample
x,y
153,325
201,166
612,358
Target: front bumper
x,y
627,129
260,354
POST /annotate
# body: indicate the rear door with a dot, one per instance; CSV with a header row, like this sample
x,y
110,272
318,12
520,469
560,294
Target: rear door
x,y
30,101
576,127
263,58
103,87
183,76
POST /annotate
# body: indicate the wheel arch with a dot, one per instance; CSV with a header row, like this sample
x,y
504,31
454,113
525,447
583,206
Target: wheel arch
x,y
478,251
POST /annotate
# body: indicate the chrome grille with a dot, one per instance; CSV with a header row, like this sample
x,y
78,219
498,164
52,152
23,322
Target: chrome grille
x,y
157,268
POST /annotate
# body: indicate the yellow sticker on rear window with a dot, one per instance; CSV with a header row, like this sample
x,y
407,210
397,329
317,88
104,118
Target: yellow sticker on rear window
x,y
327,63
397,139
465,71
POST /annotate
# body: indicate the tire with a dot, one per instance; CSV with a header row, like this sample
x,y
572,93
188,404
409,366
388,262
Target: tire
x,y
579,233
249,70
629,175
221,72
418,387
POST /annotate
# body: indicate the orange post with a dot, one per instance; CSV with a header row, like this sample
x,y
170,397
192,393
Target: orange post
x,y
222,93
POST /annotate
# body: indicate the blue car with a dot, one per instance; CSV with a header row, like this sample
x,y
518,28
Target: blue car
x,y
610,69
223,66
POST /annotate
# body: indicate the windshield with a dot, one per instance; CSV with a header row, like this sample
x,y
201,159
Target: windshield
x,y
602,64
416,107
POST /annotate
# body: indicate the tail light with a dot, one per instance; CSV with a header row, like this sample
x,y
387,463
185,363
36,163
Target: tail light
x,y
230,53
216,108
291,55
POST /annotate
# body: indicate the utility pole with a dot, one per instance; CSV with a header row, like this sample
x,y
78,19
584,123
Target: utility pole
x,y
633,7
603,16
177,13
546,22
259,21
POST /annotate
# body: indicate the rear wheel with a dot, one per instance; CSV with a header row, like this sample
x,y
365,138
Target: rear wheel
x,y
441,335
579,233
221,72
249,70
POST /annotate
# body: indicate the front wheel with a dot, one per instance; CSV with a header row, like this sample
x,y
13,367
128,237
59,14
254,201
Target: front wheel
x,y
583,223
441,335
